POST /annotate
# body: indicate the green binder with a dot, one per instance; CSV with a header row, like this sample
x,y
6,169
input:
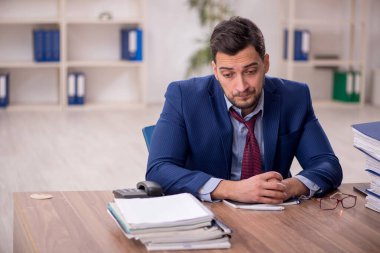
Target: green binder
x,y
346,86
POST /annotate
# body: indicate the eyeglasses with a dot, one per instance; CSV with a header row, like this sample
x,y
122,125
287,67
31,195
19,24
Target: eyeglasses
x,y
330,203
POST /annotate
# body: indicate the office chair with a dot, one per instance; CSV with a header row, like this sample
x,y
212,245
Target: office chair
x,y
148,132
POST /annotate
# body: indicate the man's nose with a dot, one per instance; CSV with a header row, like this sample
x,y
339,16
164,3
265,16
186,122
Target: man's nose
x,y
241,85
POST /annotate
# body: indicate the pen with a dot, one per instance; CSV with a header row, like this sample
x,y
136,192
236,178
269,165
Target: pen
x,y
263,207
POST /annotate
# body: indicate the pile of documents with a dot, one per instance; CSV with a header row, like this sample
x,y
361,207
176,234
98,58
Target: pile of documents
x,y
373,197
367,139
173,222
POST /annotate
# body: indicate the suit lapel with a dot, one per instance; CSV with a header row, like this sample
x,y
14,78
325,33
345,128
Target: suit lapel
x,y
222,119
271,121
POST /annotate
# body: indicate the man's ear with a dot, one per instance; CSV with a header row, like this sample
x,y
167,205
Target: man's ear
x,y
266,63
214,69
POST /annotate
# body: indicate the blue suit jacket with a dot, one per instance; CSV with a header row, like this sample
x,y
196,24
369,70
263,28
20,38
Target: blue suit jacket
x,y
192,140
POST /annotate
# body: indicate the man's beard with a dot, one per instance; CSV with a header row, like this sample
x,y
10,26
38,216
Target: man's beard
x,y
252,98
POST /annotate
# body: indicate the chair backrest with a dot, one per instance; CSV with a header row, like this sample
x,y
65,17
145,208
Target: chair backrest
x,y
148,132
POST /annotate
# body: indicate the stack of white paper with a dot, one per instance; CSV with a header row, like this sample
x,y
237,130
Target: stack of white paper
x,y
170,223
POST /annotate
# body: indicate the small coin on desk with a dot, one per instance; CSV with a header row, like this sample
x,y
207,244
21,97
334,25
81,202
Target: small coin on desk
x,y
41,196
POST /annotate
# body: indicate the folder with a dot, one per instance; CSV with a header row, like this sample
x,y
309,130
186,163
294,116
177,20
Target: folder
x,y
48,49
76,88
39,45
302,43
55,45
367,138
71,87
173,222
346,86
80,88
4,90
46,45
131,44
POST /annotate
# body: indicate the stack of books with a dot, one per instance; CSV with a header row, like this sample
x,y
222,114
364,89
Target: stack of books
x,y
367,139
174,222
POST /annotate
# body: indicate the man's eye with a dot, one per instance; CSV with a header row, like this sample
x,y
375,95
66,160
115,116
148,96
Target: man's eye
x,y
250,72
227,75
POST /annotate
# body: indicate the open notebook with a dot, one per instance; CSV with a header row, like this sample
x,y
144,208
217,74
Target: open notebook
x,y
261,207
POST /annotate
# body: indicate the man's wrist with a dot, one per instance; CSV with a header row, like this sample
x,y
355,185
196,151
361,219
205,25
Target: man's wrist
x,y
295,187
222,190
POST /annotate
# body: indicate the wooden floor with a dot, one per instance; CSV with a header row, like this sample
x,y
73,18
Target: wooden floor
x,y
104,150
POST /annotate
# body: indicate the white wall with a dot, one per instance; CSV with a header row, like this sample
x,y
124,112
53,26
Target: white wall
x,y
373,49
173,30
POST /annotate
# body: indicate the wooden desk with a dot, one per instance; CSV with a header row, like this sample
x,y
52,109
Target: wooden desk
x,y
78,222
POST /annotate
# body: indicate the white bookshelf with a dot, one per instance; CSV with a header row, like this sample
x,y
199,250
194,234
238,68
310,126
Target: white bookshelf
x,y
341,26
87,44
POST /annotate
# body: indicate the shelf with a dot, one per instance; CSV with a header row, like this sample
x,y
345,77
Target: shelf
x,y
338,40
87,45
324,22
27,21
103,22
325,63
105,106
104,64
26,64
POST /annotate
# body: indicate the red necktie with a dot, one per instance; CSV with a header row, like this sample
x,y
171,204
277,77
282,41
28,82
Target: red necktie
x,y
251,164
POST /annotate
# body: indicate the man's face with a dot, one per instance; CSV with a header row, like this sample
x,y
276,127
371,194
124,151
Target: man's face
x,y
241,77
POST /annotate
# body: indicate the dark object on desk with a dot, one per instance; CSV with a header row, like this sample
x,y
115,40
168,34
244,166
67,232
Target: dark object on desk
x,y
361,188
144,189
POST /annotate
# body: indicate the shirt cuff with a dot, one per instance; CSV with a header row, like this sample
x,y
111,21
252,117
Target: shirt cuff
x,y
313,187
204,193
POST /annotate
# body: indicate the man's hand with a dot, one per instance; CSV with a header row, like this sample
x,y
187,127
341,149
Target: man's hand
x,y
263,188
295,187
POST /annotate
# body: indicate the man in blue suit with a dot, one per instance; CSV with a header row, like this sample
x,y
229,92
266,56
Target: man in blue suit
x,y
200,141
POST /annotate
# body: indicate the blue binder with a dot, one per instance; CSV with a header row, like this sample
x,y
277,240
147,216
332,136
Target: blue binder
x,y
39,45
46,45
48,49
55,45
301,45
80,88
76,88
4,90
71,88
132,44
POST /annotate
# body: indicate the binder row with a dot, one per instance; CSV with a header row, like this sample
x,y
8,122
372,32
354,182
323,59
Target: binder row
x,y
4,90
76,88
301,45
46,45
132,44
346,86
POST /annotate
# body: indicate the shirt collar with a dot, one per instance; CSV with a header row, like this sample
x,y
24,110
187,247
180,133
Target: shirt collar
x,y
258,108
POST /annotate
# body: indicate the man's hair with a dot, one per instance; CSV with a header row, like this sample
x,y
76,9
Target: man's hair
x,y
232,36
